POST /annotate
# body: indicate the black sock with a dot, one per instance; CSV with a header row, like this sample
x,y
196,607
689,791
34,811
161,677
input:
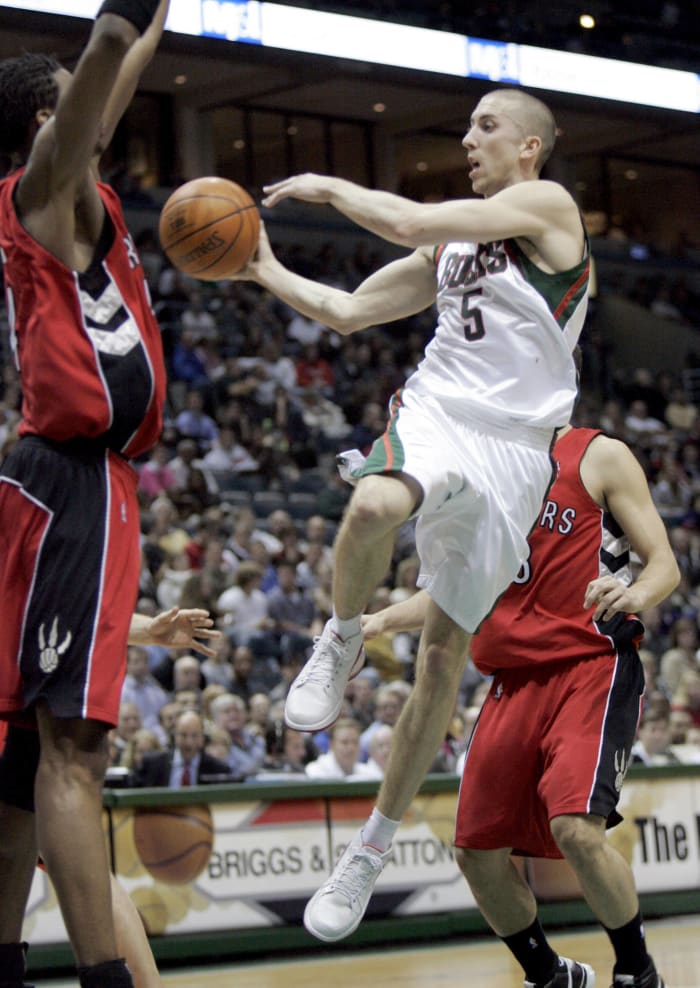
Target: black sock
x,y
630,947
533,953
12,963
110,974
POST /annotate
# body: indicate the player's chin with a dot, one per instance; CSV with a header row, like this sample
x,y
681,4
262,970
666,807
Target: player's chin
x,y
481,189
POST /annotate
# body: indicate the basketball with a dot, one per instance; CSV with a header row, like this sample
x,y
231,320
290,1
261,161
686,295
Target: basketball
x,y
174,842
209,228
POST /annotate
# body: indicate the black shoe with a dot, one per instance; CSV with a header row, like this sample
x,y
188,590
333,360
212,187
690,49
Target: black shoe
x,y
649,978
570,975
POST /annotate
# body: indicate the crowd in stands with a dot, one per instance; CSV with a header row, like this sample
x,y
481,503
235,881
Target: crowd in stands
x,y
240,502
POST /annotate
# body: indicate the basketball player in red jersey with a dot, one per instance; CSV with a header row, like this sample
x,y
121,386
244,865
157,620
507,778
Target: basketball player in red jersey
x,y
89,355
174,629
548,755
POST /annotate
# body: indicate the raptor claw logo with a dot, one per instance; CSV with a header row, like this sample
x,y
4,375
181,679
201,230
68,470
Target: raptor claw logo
x,y
51,651
621,766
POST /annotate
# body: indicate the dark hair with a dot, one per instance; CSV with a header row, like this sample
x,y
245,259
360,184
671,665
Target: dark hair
x,y
247,572
27,84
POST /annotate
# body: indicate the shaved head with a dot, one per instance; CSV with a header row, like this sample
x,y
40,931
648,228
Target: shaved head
x,y
531,114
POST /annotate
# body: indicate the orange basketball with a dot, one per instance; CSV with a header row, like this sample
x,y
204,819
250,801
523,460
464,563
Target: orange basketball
x,y
209,228
174,842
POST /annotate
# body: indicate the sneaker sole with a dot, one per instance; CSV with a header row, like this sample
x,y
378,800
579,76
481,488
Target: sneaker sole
x,y
322,725
358,664
308,925
590,976
659,984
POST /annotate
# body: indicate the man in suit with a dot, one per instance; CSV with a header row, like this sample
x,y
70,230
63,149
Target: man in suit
x,y
187,764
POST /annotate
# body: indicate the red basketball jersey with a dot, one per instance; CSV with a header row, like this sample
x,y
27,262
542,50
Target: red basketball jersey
x,y
540,618
87,345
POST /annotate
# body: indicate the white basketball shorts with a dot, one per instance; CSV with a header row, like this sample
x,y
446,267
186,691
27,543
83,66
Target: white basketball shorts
x,y
482,494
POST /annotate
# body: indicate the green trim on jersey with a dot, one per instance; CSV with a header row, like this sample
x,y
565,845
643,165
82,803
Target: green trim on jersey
x,y
561,291
387,452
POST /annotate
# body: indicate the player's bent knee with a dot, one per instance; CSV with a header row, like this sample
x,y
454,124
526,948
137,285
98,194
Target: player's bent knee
x,y
482,868
74,766
465,859
439,668
73,751
18,766
468,859
577,835
376,503
367,515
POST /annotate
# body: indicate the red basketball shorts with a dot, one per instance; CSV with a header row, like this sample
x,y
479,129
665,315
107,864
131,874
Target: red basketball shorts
x,y
549,741
69,569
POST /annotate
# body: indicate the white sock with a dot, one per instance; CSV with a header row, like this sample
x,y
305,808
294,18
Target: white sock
x,y
379,831
346,628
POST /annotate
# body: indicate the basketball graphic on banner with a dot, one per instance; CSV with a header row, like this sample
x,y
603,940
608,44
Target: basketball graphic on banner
x,y
174,843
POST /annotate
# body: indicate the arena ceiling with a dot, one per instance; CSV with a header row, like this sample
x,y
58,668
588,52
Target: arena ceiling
x,y
420,104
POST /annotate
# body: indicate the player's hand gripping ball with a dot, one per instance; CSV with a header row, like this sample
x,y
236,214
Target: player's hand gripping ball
x,y
209,228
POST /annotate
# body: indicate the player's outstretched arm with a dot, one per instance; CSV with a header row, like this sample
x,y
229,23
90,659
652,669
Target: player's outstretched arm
x,y
532,209
396,291
623,488
136,60
66,140
188,628
406,615
383,213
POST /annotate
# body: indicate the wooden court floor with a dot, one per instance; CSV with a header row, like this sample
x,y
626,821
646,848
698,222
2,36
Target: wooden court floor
x,y
481,963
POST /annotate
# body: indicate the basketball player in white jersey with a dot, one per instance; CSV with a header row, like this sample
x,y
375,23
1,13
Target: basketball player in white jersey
x,y
467,448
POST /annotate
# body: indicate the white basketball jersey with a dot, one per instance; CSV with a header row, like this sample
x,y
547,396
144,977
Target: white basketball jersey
x,y
501,354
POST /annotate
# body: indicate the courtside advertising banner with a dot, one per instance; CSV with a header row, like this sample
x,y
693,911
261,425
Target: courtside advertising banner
x,y
197,867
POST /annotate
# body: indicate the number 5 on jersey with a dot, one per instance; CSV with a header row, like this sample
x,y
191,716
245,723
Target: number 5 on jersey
x,y
473,320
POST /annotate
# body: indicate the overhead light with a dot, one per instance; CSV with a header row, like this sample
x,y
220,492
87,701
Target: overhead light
x,y
421,166
587,21
631,174
292,130
180,80
239,144
370,42
379,107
